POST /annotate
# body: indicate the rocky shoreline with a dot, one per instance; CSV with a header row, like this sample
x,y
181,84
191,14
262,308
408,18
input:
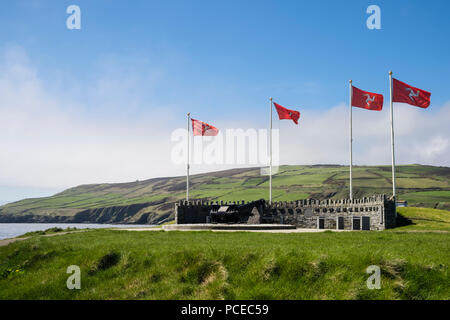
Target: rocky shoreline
x,y
131,214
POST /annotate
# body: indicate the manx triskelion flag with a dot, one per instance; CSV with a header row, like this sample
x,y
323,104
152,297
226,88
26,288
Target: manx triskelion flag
x,y
367,100
405,93
284,113
201,128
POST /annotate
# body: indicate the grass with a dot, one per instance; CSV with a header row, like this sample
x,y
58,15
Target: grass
x,y
117,264
47,232
436,199
424,219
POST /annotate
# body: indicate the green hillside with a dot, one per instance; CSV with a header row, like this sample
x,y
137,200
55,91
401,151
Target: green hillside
x,y
151,201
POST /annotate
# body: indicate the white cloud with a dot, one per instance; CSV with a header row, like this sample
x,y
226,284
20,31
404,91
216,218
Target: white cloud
x,y
47,141
50,142
435,148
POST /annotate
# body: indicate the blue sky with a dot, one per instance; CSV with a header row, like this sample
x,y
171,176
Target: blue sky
x,y
220,60
216,52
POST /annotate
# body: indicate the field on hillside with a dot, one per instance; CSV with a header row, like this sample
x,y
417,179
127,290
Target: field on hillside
x,y
424,186
422,219
234,265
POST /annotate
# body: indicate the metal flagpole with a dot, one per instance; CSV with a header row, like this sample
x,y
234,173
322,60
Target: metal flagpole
x,y
187,162
270,144
392,141
351,139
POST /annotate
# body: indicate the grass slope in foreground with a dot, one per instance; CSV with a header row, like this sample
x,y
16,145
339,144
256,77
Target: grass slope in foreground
x,y
233,265
424,186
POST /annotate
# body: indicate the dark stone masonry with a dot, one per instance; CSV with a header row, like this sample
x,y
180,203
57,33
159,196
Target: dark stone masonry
x,y
370,213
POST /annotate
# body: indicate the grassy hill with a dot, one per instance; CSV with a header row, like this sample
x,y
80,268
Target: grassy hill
x,y
422,220
151,201
119,264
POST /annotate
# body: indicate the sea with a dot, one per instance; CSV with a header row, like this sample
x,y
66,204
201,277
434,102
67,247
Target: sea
x,y
11,230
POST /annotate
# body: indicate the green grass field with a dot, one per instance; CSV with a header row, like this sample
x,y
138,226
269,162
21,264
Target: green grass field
x,y
414,261
423,219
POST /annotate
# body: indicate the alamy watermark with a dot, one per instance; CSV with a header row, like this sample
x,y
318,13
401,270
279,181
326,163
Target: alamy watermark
x,y
231,147
374,281
73,281
374,20
74,20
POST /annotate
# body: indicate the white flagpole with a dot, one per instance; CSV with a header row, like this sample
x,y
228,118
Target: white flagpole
x,y
392,141
351,138
187,162
270,144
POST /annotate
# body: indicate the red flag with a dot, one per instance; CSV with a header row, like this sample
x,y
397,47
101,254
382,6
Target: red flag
x,y
367,100
284,113
203,129
405,93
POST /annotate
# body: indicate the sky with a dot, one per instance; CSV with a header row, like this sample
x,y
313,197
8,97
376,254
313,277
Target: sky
x,y
100,104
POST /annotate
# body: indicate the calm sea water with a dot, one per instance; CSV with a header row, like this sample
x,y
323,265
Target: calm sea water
x,y
11,230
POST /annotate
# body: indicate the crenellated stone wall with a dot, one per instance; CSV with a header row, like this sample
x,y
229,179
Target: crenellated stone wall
x,y
369,213
306,213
